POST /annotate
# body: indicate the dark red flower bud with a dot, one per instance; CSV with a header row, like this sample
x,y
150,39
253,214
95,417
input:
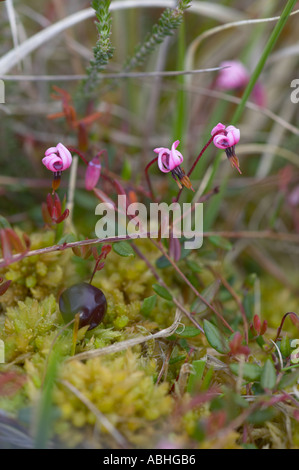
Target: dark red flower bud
x,y
236,346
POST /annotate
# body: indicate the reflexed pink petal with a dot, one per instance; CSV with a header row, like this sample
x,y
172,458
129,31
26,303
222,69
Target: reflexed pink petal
x,y
50,161
233,134
219,127
159,149
221,142
175,144
168,160
50,150
162,164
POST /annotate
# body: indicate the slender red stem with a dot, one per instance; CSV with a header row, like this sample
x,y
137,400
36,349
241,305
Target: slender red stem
x,y
105,153
74,150
197,159
282,322
148,178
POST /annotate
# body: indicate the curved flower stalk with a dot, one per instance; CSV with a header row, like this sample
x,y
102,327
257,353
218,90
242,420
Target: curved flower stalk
x,y
226,138
170,160
57,159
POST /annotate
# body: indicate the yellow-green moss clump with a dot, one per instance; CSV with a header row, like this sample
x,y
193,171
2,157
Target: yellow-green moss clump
x,y
121,387
29,326
37,276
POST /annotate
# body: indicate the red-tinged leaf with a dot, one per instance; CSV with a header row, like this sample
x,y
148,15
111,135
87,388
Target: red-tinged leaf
x,y
6,248
63,216
57,203
90,119
50,203
55,214
60,91
82,137
86,251
77,251
4,287
95,253
27,241
55,115
257,324
10,383
45,213
70,114
15,240
264,327
105,251
100,266
236,346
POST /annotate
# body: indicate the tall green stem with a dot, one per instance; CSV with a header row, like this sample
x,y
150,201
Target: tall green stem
x,y
216,201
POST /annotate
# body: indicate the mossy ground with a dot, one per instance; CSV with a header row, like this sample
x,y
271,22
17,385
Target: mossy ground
x,y
141,404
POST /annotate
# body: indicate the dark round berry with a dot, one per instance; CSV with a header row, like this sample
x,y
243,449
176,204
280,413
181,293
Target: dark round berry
x,y
85,299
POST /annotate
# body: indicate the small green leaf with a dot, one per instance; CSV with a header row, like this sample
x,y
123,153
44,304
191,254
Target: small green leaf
x,y
198,368
215,337
123,249
195,267
148,305
189,332
268,375
162,262
207,379
250,372
220,242
67,238
198,306
260,416
288,380
176,359
285,346
162,292
4,223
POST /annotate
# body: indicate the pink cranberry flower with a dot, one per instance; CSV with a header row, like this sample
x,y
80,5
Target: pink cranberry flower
x,y
57,159
236,77
227,138
93,173
169,160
